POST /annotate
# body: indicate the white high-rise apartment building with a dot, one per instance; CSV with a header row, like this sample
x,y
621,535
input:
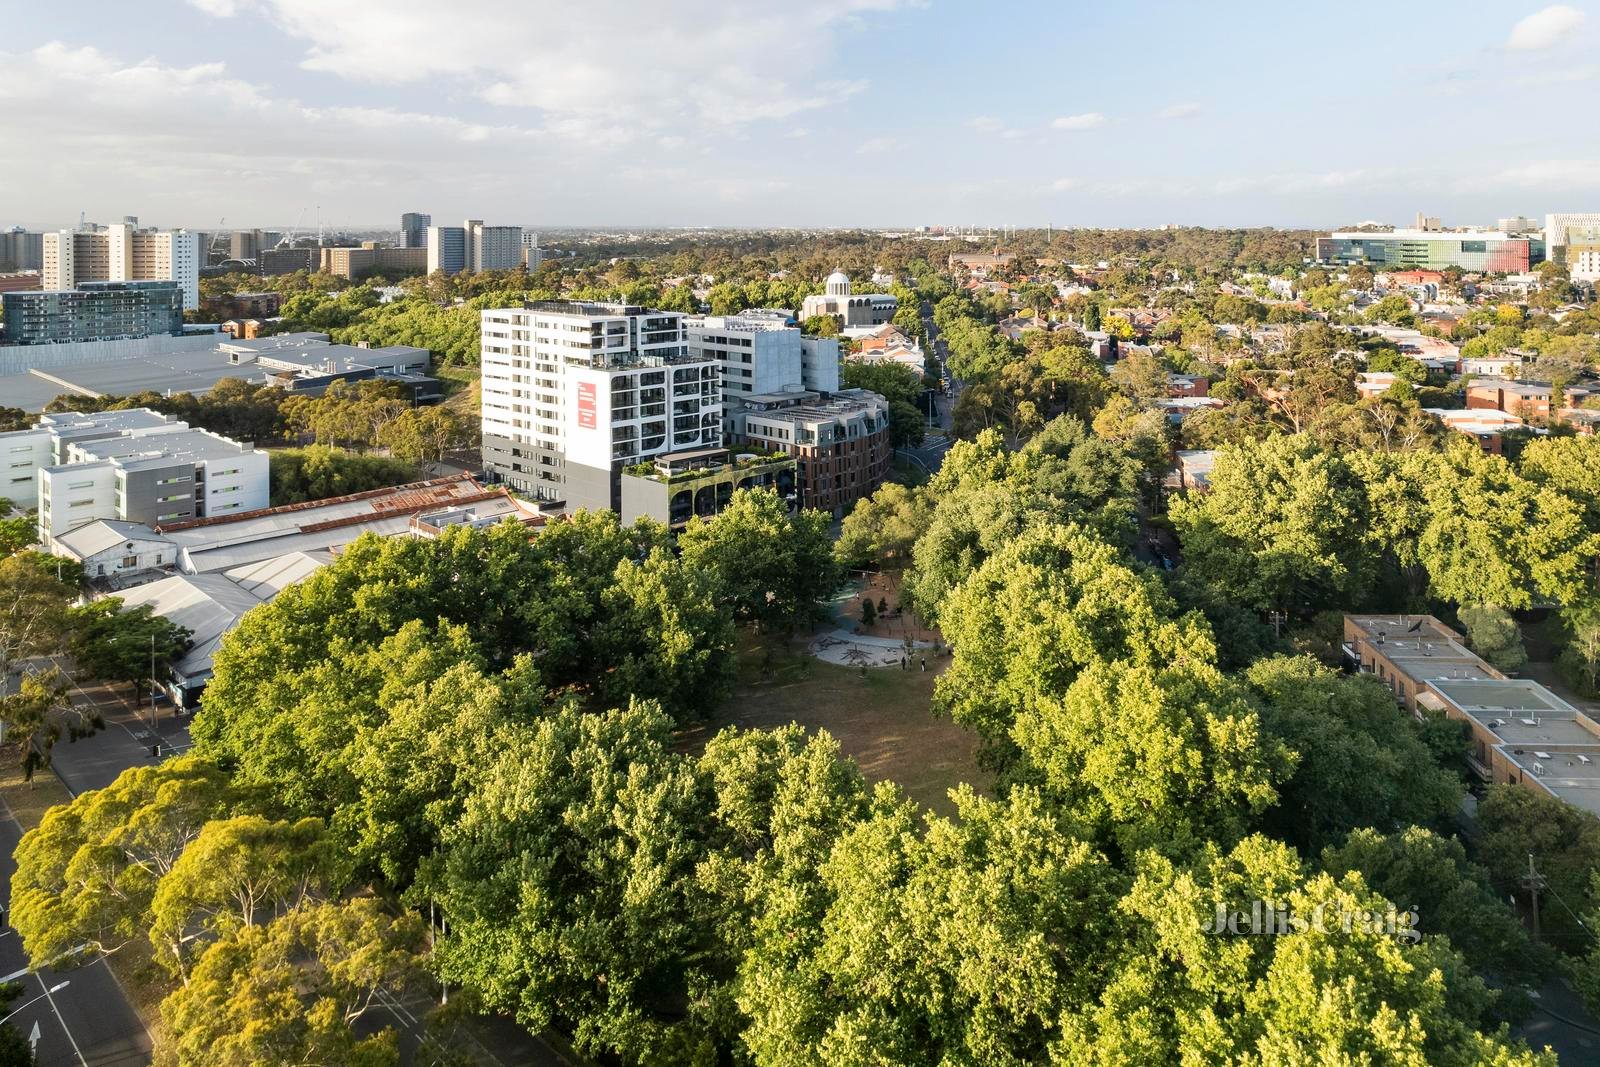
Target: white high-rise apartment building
x,y
474,247
122,252
762,351
573,392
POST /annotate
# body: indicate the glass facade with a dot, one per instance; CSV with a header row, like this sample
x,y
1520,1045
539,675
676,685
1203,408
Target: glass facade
x,y
1491,254
96,311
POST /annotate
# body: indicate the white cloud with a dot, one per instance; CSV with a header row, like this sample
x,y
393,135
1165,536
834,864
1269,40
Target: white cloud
x,y
708,64
1064,185
873,146
989,124
182,142
1544,29
1186,110
1086,121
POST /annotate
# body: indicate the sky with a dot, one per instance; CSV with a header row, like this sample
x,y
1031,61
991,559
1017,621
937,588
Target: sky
x,y
878,113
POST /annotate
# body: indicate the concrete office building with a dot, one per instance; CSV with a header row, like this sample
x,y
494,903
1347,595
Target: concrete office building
x,y
848,307
1492,251
1517,224
246,244
839,441
474,247
21,250
122,252
414,229
763,351
129,466
96,311
276,261
573,392
371,257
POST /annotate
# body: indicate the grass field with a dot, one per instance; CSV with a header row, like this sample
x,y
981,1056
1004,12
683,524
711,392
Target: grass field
x,y
880,717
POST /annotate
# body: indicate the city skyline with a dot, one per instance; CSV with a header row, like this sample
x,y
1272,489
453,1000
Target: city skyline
x,y
852,113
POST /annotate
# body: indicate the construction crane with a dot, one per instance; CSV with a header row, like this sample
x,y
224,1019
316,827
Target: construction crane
x,y
287,240
218,236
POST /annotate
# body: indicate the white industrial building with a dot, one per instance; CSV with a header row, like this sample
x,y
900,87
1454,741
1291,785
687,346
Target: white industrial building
x,y
123,252
135,466
573,392
205,573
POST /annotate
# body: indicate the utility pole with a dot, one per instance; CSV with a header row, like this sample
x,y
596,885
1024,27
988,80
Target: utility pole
x,y
1532,884
153,685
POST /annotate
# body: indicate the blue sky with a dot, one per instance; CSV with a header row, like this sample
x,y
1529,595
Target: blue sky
x,y
771,112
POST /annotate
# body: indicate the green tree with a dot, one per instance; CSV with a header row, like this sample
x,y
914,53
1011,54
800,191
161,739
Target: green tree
x,y
1186,992
1514,824
317,472
235,873
1360,762
425,435
88,872
881,529
772,568
1494,635
1281,529
569,885
1417,868
295,989
26,716
967,943
33,608
113,644
1040,610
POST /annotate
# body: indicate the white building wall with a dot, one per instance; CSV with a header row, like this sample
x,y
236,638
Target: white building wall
x,y
74,494
236,483
819,364
22,453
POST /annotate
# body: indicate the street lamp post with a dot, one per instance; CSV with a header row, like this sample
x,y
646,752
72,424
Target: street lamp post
x,y
153,684
58,987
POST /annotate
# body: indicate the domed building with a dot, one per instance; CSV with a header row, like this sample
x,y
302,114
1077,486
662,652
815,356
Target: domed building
x,y
849,308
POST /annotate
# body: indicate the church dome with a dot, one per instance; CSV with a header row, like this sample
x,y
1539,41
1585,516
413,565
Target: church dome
x,y
838,283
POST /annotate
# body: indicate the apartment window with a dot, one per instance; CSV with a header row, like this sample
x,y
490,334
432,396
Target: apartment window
x,y
21,448
80,485
79,503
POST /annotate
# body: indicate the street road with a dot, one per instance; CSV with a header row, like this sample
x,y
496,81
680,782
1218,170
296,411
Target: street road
x,y
88,1024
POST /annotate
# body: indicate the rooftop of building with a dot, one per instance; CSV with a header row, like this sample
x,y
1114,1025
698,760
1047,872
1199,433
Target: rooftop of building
x,y
1570,776
157,450
207,605
329,359
67,423
225,542
751,320
1476,420
804,405
1519,709
1409,234
594,309
151,285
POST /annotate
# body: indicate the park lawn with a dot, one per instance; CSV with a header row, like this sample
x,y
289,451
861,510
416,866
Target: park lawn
x,y
880,717
142,981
